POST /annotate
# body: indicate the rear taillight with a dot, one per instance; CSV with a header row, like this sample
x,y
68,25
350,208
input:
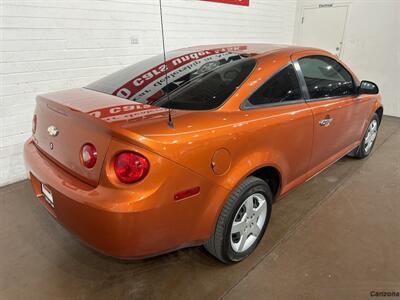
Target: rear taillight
x,y
34,122
88,155
130,167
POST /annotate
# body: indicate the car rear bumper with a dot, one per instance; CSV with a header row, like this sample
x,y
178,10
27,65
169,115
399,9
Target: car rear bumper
x,y
124,222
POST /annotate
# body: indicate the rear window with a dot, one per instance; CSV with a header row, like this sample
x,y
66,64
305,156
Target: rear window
x,y
201,80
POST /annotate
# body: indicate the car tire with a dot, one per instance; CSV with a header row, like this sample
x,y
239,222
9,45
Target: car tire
x,y
368,141
238,232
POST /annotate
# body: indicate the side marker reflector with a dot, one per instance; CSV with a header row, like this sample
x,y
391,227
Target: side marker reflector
x,y
187,193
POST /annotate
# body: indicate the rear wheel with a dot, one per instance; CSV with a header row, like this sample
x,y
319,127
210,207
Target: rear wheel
x,y
368,142
242,222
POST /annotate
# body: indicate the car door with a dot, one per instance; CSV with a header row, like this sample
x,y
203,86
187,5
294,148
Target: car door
x,y
285,124
331,94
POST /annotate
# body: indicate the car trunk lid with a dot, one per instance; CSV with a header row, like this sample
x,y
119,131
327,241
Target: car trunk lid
x,y
67,120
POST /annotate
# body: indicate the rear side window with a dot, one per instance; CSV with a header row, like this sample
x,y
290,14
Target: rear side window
x,y
325,77
210,90
280,88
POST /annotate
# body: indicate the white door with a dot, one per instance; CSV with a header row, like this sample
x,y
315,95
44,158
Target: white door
x,y
323,27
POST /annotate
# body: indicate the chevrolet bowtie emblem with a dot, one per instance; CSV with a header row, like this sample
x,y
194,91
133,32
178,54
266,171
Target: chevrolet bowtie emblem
x,y
52,130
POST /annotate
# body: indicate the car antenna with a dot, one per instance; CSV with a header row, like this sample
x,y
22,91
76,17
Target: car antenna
x,y
170,122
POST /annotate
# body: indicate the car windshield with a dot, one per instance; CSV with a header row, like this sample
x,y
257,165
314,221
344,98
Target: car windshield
x,y
201,80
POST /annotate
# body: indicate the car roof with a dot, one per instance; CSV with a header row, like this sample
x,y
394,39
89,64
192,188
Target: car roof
x,y
250,49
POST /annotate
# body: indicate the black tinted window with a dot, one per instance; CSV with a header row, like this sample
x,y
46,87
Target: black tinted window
x,y
325,77
209,90
282,87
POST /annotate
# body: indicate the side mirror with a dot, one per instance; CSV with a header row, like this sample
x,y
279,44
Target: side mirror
x,y
368,87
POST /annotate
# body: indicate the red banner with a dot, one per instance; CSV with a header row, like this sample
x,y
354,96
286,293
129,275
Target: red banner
x,y
234,2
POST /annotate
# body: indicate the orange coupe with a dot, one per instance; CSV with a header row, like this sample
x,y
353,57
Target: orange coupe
x,y
193,148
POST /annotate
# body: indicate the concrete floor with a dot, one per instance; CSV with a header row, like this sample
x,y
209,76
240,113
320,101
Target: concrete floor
x,y
335,237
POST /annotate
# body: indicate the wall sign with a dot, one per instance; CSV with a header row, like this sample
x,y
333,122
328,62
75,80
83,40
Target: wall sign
x,y
234,2
325,5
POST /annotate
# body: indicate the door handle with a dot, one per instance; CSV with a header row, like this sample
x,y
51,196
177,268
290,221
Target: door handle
x,y
326,122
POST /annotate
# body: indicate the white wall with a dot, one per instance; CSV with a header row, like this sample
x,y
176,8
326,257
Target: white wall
x,y
191,22
371,45
52,45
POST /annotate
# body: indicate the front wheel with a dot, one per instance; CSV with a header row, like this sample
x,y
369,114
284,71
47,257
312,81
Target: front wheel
x,y
242,222
368,141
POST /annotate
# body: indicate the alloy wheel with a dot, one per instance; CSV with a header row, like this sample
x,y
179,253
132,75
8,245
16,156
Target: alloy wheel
x,y
248,222
371,135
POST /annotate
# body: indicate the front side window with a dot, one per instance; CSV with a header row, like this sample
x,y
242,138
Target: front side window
x,y
325,77
280,88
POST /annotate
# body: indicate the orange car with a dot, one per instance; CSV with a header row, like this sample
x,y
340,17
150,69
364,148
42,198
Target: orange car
x,y
194,149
